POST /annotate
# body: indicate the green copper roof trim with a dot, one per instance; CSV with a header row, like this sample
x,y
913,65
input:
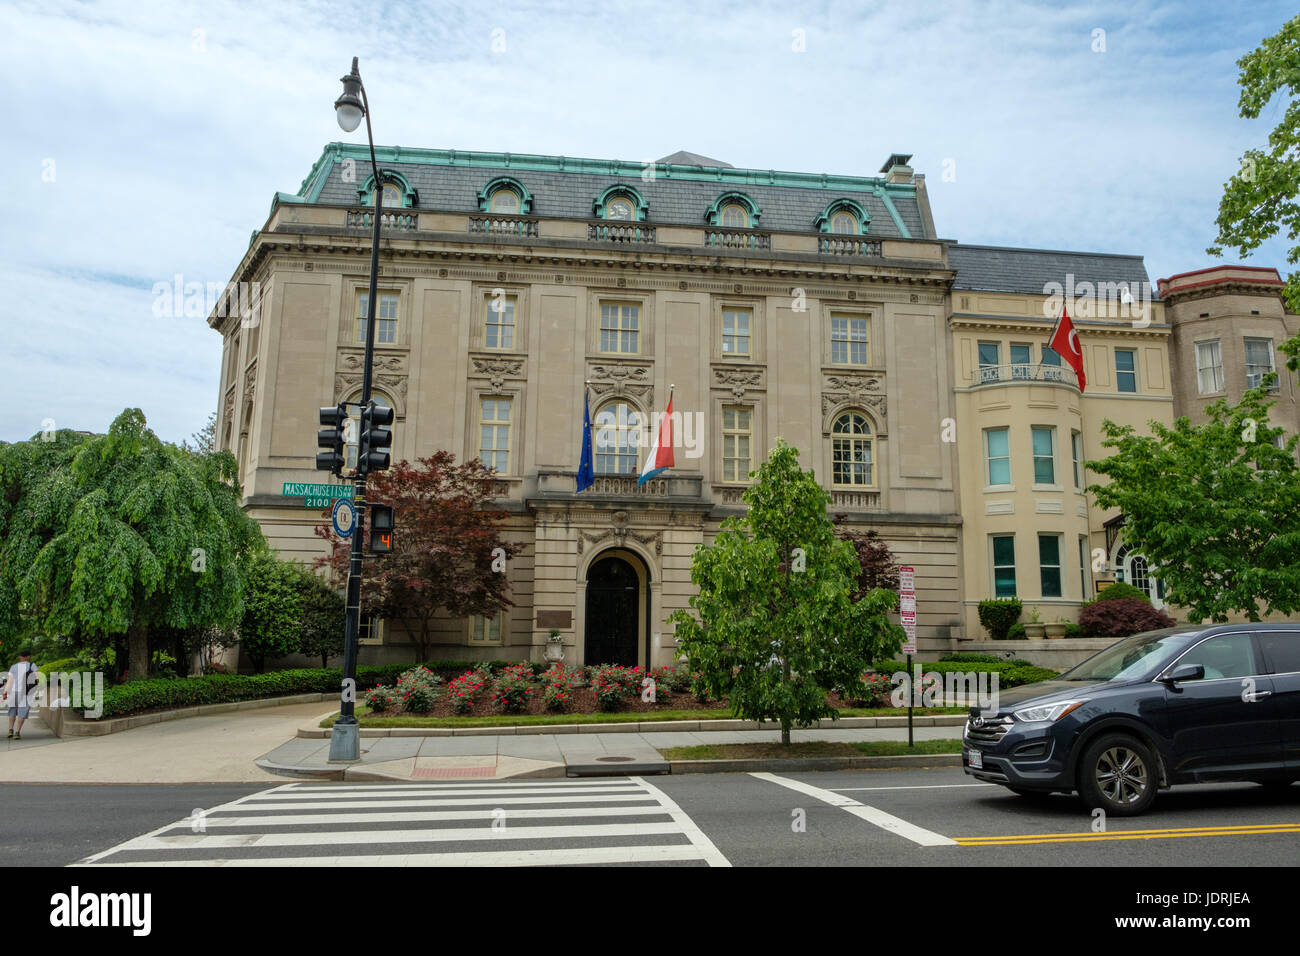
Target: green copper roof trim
x,y
502,182
410,196
639,206
312,186
898,220
733,196
735,178
286,199
823,222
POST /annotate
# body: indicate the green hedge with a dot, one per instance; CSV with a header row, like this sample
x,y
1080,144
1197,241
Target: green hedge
x,y
166,693
1010,673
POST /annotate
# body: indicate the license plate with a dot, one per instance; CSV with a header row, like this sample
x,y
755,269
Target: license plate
x,y
975,759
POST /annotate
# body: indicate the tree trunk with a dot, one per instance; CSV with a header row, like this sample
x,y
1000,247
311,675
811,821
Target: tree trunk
x,y
138,642
785,734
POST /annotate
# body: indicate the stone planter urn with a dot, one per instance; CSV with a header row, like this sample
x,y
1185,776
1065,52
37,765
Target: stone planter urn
x,y
1055,630
1035,631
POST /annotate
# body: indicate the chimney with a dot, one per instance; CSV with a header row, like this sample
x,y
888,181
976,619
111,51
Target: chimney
x,y
896,169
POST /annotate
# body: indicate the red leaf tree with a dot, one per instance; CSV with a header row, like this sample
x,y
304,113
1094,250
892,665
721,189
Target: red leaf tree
x,y
879,566
447,552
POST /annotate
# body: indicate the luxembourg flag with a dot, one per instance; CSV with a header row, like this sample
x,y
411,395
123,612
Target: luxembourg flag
x,y
661,452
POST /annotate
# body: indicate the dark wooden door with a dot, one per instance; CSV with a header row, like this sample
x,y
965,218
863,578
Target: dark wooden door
x,y
611,629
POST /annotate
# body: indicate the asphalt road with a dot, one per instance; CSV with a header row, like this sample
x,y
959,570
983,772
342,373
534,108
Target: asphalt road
x,y
936,817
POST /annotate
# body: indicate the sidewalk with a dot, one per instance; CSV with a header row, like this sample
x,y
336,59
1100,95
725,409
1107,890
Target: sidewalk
x,y
537,755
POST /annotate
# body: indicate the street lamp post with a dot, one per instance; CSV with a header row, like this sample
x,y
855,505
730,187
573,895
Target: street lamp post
x,y
345,742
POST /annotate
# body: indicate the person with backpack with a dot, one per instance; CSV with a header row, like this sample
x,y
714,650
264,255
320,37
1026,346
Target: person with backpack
x,y
22,680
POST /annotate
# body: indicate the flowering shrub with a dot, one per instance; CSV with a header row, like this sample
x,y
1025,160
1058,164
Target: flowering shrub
x,y
381,699
872,691
513,688
1121,618
558,685
418,688
677,678
461,691
613,684
698,690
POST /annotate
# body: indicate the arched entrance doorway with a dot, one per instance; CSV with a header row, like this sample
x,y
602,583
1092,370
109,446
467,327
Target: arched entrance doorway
x,y
1131,568
617,609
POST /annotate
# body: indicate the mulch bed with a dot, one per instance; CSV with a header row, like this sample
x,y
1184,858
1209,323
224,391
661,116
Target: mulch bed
x,y
582,700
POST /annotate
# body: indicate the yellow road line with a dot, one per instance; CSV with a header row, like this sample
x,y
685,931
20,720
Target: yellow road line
x,y
1029,838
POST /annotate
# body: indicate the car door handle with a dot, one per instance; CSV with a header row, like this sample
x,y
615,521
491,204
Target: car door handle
x,y
1260,694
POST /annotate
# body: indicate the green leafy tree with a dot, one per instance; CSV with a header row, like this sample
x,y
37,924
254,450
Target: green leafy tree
x,y
1215,508
321,629
1260,199
124,534
779,618
271,624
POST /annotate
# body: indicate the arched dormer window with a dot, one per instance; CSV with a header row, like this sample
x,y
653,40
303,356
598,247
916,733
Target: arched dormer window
x,y
398,193
733,210
851,459
620,203
505,196
844,217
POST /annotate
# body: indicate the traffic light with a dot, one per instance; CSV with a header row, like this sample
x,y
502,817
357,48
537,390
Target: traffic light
x,y
331,439
381,529
376,439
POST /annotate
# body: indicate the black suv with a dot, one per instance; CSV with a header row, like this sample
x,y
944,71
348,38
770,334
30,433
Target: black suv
x,y
1190,704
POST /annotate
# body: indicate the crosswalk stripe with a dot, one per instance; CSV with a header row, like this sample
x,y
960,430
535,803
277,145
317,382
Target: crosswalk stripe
x,y
352,837
558,784
558,857
428,816
254,829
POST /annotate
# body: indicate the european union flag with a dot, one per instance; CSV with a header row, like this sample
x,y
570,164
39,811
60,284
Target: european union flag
x,y
585,470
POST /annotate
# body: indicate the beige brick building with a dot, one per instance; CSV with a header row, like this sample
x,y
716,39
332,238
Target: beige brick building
x,y
907,369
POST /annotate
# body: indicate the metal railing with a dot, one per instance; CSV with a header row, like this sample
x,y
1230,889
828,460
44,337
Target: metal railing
x,y
1001,374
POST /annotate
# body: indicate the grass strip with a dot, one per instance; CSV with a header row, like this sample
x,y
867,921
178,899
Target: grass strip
x,y
811,748
367,719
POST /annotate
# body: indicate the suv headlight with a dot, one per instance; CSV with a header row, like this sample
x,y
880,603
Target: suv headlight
x,y
1048,711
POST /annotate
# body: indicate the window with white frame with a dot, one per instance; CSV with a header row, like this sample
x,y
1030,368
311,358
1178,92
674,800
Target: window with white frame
x,y
851,450
736,331
1209,367
494,433
737,441
499,327
1126,370
487,630
1049,564
1259,362
997,452
620,326
385,317
1044,448
990,357
1004,565
617,439
1076,450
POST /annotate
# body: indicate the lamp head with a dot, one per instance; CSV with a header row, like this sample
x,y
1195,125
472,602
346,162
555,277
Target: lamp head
x,y
348,107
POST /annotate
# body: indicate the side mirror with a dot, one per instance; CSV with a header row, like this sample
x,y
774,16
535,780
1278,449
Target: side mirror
x,y
1185,672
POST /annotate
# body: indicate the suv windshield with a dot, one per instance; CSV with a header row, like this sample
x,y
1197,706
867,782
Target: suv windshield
x,y
1131,657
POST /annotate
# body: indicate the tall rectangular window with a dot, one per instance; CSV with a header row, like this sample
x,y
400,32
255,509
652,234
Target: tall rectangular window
x,y
849,340
737,432
499,329
1076,447
620,326
997,451
1209,367
1049,564
735,331
385,317
494,434
1004,565
486,630
1259,362
1126,370
990,358
1044,441
1020,358
1051,359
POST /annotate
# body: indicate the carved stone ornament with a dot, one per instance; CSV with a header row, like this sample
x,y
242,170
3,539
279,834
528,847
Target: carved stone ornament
x,y
250,382
498,369
355,361
622,381
738,379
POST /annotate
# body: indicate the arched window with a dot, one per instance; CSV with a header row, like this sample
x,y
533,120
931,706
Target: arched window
x,y
617,439
851,451
845,223
392,196
620,209
505,202
734,215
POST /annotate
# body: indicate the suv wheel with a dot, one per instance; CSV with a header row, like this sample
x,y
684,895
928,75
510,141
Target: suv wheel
x,y
1118,773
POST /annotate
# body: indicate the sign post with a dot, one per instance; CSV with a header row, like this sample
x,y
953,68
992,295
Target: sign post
x,y
907,611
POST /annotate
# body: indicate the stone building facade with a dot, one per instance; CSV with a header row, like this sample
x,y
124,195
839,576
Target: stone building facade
x,y
907,369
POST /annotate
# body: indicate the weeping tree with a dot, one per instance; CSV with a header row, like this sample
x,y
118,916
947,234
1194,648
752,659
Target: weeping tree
x,y
781,617
122,534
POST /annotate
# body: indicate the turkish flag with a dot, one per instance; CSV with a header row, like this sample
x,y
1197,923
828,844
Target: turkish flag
x,y
1065,343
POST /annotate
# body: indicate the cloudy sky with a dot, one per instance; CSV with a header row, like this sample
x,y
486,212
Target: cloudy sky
x,y
147,138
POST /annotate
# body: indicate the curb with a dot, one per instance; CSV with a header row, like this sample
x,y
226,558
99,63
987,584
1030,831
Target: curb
x,y
354,774
312,731
801,764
